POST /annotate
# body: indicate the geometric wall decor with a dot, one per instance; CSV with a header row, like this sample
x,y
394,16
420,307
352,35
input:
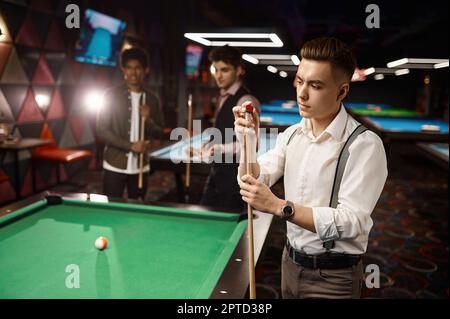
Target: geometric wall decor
x,y
13,15
57,128
67,95
55,61
88,75
78,107
67,139
32,129
13,72
41,22
29,58
27,34
5,50
43,95
5,110
30,110
15,95
77,125
43,75
66,75
54,39
56,108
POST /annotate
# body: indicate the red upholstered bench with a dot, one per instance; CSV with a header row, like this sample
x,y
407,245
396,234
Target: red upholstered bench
x,y
57,156
51,153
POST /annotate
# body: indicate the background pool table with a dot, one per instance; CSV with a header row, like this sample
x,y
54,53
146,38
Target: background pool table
x,y
279,119
406,128
438,152
174,158
172,251
378,109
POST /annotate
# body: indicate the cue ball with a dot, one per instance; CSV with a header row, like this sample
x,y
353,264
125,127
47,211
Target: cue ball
x,y
101,243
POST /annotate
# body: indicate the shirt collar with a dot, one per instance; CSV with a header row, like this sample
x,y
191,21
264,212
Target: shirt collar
x,y
335,129
232,89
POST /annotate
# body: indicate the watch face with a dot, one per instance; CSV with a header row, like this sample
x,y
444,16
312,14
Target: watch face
x,y
287,210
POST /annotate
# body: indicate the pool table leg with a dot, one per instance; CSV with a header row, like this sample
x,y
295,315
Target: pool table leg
x,y
180,187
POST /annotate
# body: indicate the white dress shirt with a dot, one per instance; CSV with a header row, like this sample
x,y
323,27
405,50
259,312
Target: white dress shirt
x,y
308,165
132,162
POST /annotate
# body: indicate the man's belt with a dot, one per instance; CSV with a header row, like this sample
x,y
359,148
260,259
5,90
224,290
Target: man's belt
x,y
328,260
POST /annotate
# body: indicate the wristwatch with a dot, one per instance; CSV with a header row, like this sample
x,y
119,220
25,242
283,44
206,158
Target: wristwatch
x,y
287,211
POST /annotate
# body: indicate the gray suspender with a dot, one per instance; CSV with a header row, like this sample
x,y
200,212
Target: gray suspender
x,y
340,168
342,161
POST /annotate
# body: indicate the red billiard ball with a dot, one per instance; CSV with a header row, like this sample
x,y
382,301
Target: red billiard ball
x,y
101,243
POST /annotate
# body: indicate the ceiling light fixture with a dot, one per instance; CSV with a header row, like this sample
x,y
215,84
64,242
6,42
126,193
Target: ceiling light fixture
x,y
205,39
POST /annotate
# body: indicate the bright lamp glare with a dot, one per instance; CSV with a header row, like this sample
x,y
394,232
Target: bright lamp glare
x,y
93,101
272,69
379,77
42,100
295,59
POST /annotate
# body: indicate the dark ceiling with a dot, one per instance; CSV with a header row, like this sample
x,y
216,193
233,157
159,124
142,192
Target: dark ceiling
x,y
407,28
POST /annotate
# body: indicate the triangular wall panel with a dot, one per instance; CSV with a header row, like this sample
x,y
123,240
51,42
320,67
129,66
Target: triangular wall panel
x,y
41,22
15,95
56,109
77,125
67,139
54,39
13,17
43,95
27,34
5,50
55,62
67,95
32,130
29,58
6,114
30,110
13,72
66,74
43,74
56,127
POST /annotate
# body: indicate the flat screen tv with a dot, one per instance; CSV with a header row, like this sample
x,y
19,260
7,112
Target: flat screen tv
x,y
100,39
193,58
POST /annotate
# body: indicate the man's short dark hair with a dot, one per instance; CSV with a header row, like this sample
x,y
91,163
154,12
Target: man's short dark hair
x,y
331,50
134,54
228,55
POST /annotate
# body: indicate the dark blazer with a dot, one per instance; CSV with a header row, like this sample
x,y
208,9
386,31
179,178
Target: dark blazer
x,y
114,124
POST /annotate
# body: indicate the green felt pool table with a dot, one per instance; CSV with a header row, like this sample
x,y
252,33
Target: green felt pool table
x,y
154,251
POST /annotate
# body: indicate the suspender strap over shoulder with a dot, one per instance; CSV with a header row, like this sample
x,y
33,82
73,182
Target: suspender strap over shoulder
x,y
340,168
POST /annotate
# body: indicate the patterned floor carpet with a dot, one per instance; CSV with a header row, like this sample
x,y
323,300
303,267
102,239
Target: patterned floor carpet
x,y
409,240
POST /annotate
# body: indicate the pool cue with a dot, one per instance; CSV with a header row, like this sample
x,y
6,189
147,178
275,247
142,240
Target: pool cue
x,y
188,163
141,155
251,253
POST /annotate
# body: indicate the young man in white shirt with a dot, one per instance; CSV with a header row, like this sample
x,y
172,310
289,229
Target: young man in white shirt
x,y
118,125
306,154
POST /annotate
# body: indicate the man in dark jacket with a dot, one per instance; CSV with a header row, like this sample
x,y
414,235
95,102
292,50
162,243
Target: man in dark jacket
x,y
118,125
221,188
